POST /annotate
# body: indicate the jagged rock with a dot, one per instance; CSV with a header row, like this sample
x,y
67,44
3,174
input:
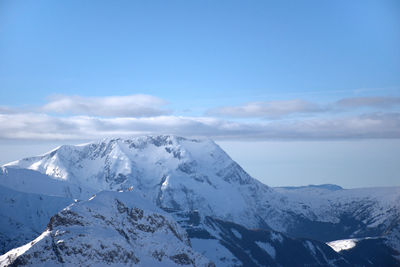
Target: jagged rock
x,y
113,228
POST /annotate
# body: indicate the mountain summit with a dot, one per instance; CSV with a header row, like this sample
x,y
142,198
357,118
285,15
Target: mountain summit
x,y
173,172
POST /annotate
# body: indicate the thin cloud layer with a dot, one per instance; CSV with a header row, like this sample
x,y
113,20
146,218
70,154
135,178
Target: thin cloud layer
x,y
7,110
42,126
279,109
268,109
379,102
93,118
111,106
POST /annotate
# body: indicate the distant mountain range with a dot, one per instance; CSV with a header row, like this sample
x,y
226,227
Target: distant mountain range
x,y
224,216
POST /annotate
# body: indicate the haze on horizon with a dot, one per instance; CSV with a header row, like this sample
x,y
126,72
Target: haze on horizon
x,y
296,92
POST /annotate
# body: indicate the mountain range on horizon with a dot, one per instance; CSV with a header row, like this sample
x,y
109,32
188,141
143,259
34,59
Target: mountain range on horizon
x,y
122,201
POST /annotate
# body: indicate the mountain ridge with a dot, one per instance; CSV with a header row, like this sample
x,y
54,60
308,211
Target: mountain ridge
x,y
111,228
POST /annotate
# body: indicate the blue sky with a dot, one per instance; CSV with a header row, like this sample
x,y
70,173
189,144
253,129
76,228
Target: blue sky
x,y
276,73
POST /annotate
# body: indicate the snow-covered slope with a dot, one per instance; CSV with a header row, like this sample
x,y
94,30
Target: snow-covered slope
x,y
23,216
345,213
230,244
179,174
30,181
112,228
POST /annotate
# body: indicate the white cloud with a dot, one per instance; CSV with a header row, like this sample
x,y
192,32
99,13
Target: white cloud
x,y
42,126
8,110
376,101
93,118
269,109
110,106
279,109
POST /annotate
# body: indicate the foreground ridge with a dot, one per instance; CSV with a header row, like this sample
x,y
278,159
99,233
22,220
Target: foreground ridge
x,y
111,228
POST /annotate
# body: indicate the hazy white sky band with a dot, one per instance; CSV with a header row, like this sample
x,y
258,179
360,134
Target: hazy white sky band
x,y
76,117
43,126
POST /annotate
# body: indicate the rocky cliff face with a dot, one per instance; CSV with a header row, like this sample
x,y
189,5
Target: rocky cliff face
x,y
112,228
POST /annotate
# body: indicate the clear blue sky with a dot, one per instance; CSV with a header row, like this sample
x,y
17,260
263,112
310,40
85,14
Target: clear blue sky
x,y
241,72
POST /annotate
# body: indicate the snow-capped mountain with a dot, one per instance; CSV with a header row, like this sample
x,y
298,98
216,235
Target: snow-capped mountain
x,y
179,174
123,229
172,172
112,228
187,176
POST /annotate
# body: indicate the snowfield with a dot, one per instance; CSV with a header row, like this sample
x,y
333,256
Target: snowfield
x,y
345,244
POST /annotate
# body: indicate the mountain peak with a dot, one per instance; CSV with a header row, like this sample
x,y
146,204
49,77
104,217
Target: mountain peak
x,y
157,140
176,173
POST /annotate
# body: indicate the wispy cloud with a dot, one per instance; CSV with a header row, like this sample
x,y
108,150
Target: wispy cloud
x,y
379,102
8,110
279,109
268,109
42,126
111,106
92,118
